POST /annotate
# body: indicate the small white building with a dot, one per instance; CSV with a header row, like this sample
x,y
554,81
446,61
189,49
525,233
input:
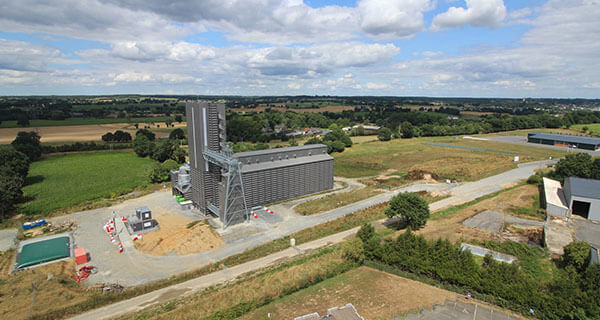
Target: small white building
x,y
577,196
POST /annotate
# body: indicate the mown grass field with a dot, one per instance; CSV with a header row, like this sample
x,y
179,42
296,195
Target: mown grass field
x,y
80,121
403,155
69,180
594,128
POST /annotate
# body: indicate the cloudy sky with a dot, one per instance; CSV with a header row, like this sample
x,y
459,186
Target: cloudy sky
x,y
481,48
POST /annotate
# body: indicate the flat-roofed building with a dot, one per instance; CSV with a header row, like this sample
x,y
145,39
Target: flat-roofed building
x,y
564,140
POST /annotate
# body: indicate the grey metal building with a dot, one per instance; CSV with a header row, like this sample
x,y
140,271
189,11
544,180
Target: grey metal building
x,y
564,140
583,197
227,184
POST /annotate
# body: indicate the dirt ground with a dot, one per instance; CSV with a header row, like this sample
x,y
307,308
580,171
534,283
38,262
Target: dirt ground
x,y
374,294
82,133
39,289
452,228
177,237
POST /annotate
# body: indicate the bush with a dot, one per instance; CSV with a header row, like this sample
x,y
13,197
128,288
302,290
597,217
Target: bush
x,y
536,179
147,133
384,134
177,134
576,255
353,250
410,207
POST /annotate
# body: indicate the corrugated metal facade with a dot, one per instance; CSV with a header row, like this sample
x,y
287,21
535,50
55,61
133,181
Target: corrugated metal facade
x,y
267,175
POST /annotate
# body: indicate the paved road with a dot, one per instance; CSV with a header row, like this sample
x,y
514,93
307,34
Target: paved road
x,y
463,193
8,239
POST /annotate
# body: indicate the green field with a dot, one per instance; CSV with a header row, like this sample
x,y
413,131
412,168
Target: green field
x,y
594,128
70,180
403,155
82,121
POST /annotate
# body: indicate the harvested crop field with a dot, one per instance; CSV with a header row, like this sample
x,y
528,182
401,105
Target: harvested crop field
x,y
404,155
374,294
81,133
297,109
178,235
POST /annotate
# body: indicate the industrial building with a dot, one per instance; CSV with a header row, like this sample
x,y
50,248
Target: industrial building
x,y
564,140
227,185
577,196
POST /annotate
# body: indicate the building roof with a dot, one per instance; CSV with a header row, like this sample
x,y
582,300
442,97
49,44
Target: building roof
x,y
553,193
587,188
565,137
278,150
284,163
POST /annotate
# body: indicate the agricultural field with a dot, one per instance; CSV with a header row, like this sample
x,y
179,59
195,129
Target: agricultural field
x,y
299,109
593,128
82,133
80,122
404,155
70,180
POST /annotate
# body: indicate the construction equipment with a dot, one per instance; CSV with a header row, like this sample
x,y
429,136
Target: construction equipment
x,y
83,273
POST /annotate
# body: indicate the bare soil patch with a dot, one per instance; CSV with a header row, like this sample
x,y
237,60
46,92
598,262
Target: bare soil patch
x,y
178,235
374,294
453,229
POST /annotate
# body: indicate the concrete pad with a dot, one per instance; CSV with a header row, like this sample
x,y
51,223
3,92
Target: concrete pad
x,y
558,235
588,231
8,239
492,221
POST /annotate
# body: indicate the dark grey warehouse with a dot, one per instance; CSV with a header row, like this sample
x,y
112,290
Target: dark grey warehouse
x,y
564,140
227,185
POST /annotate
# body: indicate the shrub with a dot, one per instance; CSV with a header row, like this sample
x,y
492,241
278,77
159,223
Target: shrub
x,y
353,250
384,134
142,146
576,255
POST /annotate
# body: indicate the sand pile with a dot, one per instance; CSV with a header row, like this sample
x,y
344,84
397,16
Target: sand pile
x,y
179,235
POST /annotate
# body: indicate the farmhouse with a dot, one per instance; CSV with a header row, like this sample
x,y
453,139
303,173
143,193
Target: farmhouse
x,y
564,140
578,196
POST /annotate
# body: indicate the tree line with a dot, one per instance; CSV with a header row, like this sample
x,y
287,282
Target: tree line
x,y
573,293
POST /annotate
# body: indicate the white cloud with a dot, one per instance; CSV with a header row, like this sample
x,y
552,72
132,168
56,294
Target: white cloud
x,y
376,85
479,13
294,86
393,19
430,54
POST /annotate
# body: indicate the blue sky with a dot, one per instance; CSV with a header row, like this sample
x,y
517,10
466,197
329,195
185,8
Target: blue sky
x,y
481,48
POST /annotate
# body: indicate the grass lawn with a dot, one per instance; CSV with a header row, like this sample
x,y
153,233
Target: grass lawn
x,y
335,201
594,128
69,180
403,155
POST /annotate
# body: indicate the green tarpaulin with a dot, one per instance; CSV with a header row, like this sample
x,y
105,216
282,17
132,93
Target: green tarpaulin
x,y
44,251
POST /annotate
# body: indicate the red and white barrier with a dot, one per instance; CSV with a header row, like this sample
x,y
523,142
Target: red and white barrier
x,y
120,248
124,219
137,237
254,214
269,210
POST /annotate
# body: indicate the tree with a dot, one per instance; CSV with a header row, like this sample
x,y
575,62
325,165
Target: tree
x,y
108,137
353,250
177,134
163,150
313,140
577,255
10,190
179,118
178,155
366,232
170,165
142,145
407,130
169,122
334,146
14,160
151,136
411,208
122,136
23,120
158,173
29,144
384,134
574,165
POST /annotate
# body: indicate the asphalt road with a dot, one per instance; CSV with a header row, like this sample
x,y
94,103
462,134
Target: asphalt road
x,y
463,193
